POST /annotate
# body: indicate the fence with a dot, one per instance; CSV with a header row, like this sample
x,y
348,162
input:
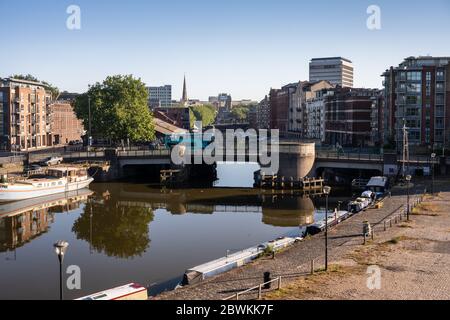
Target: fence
x,y
12,159
144,153
258,287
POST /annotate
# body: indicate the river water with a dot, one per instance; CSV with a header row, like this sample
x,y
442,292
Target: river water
x,y
120,233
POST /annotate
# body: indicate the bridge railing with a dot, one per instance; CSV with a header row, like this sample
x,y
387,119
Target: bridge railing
x,y
349,156
144,153
84,154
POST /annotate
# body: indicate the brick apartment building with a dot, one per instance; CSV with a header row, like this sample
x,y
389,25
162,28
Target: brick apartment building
x,y
288,107
65,126
24,121
348,117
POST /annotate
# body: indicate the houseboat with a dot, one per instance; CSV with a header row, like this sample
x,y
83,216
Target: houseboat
x,y
235,260
53,181
130,291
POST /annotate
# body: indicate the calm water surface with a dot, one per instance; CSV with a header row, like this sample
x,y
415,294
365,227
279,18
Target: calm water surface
x,y
123,232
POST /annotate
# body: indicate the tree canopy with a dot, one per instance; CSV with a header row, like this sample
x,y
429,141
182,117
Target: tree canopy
x,y
54,90
119,109
240,112
206,114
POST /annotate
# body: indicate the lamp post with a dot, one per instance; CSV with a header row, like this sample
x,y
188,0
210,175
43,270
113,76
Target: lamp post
x,y
408,180
326,191
60,249
433,156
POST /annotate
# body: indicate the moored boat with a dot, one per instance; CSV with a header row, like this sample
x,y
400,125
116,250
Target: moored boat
x,y
53,181
235,260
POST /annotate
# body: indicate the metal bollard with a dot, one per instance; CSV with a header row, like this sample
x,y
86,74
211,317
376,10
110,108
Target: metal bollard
x,y
313,268
267,280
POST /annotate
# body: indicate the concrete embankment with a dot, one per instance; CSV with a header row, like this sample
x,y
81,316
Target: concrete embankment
x,y
295,263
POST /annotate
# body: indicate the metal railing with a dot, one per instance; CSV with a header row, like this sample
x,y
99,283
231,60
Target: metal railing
x,y
144,153
84,154
258,287
11,159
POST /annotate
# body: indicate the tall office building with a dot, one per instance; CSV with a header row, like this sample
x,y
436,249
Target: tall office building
x,y
24,115
160,97
336,70
417,94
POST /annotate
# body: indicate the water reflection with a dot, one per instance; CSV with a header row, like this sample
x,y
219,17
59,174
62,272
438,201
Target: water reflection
x,y
23,221
117,230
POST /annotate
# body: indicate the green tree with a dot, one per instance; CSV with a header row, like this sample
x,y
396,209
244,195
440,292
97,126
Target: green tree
x,y
119,110
206,114
115,230
240,112
54,90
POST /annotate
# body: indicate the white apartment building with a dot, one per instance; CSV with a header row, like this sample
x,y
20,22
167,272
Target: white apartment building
x,y
336,70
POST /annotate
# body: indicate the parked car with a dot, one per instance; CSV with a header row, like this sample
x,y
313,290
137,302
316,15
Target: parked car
x,y
52,161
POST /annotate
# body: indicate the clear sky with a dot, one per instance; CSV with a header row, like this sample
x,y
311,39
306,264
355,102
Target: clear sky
x,y
242,47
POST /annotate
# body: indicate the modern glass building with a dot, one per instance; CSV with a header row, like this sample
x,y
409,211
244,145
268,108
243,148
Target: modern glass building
x,y
417,94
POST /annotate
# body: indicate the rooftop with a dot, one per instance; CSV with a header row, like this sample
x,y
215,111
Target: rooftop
x,y
331,58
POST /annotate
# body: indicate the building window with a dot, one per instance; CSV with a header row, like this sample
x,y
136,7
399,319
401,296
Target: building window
x,y
414,76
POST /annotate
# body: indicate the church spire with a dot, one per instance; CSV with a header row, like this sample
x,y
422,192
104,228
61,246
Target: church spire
x,y
184,99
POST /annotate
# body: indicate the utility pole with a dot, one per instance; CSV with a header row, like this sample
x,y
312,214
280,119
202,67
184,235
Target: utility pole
x,y
90,124
405,150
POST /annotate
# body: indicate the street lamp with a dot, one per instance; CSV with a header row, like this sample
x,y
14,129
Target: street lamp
x,y
408,180
433,156
326,191
60,249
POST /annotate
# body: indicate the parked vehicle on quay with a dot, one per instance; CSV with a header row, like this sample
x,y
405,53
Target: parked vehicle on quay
x,y
52,161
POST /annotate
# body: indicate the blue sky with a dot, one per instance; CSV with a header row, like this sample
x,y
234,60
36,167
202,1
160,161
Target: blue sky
x,y
243,47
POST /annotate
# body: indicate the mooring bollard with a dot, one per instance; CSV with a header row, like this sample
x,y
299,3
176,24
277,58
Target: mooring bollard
x,y
390,223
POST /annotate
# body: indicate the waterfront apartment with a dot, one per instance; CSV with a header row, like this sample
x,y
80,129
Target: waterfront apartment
x,y
288,106
417,94
24,118
64,125
336,70
348,116
160,97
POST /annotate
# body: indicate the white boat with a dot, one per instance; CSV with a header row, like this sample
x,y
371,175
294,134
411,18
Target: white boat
x,y
55,180
129,292
233,261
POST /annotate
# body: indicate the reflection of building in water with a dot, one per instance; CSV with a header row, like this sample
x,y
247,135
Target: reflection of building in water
x,y
288,210
23,221
278,208
17,230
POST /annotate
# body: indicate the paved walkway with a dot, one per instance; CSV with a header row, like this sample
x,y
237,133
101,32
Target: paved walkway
x,y
295,261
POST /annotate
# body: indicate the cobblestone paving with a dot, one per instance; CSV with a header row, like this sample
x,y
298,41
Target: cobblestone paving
x,y
296,260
